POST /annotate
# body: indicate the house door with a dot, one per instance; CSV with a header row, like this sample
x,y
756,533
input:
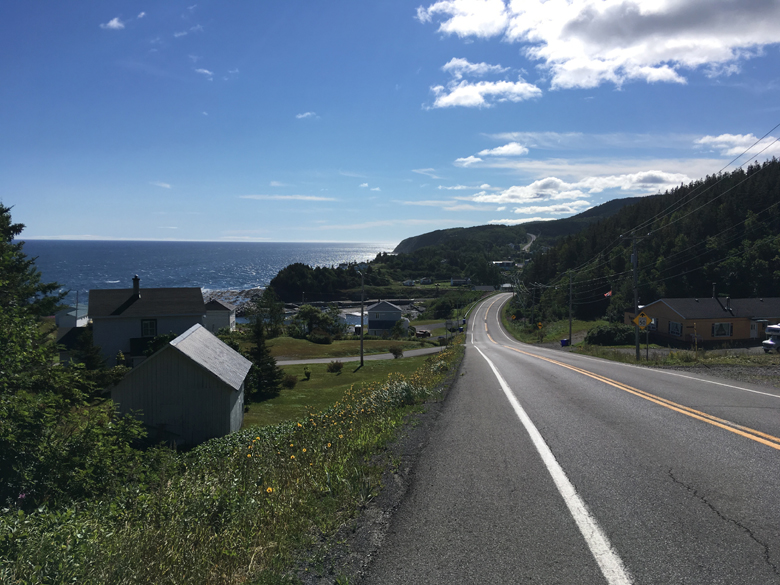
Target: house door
x,y
753,330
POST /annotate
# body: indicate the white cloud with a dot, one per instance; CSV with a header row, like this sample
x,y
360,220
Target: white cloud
x,y
180,34
364,184
306,115
278,184
375,189
585,43
197,28
458,68
195,58
427,172
113,24
511,149
160,184
558,209
482,94
167,227
555,189
233,71
141,15
467,161
456,187
287,197
481,18
205,72
736,144
518,221
205,113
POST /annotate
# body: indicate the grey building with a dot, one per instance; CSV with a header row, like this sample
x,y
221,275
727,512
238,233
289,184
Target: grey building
x,y
126,319
188,392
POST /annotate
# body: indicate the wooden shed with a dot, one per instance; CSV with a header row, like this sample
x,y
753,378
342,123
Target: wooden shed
x,y
188,392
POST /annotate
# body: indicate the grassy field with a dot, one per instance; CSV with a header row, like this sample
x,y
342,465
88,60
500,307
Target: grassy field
x,y
324,389
287,348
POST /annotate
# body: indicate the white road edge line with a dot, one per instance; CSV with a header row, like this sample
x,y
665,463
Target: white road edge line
x,y
609,562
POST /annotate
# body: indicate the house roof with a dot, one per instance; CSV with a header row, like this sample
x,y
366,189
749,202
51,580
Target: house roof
x,y
213,355
710,308
384,306
217,305
152,302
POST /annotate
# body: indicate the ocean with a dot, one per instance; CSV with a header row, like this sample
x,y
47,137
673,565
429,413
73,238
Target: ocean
x,y
84,265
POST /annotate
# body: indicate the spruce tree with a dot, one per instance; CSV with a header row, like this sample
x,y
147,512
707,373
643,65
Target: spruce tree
x,y
265,376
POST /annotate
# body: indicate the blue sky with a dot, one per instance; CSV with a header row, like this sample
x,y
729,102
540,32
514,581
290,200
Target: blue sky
x,y
361,121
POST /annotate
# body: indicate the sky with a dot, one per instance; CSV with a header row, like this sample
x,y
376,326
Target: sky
x,y
369,121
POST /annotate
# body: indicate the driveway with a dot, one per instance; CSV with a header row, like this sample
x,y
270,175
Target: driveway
x,y
373,356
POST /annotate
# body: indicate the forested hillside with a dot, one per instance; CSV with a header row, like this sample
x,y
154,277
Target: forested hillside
x,y
722,229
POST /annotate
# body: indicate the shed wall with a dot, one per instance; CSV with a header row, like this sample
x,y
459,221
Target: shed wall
x,y
178,398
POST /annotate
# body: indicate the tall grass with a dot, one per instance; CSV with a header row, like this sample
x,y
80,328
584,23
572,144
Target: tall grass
x,y
234,510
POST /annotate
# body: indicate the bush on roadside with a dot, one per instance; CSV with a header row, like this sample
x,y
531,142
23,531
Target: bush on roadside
x,y
335,367
397,352
289,381
612,334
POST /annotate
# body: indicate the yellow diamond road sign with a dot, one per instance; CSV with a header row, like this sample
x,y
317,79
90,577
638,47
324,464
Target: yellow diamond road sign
x,y
642,320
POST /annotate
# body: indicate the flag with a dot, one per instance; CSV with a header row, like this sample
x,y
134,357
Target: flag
x,y
608,294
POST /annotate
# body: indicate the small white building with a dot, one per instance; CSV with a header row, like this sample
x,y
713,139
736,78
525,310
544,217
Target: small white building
x,y
220,315
188,392
72,316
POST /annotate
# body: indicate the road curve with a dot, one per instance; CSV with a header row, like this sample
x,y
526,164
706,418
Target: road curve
x,y
551,467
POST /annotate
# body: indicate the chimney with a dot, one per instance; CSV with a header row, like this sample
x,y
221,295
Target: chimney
x,y
713,290
136,287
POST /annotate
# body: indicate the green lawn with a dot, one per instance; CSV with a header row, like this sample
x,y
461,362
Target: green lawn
x,y
287,348
323,389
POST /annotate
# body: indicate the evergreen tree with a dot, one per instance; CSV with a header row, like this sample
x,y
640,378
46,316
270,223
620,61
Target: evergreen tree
x,y
265,377
20,281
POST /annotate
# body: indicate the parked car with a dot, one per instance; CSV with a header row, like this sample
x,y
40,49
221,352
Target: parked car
x,y
772,341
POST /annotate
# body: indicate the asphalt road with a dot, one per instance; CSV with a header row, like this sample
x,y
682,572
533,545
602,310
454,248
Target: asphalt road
x,y
550,467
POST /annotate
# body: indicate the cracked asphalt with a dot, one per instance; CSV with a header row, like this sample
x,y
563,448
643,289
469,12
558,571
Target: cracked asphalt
x,y
678,470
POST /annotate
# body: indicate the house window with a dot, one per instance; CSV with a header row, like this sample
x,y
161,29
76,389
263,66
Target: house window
x,y
675,329
721,329
148,327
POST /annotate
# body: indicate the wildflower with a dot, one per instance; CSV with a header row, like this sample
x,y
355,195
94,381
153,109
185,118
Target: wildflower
x,y
304,449
257,438
328,445
341,436
270,490
291,445
292,456
248,454
300,425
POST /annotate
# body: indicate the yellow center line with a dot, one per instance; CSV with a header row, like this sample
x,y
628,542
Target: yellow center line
x,y
755,435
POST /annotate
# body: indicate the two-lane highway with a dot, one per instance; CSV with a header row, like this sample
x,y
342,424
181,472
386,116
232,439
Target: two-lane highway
x,y
550,467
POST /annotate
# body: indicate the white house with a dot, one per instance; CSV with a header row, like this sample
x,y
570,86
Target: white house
x,y
382,317
126,319
188,392
72,316
220,315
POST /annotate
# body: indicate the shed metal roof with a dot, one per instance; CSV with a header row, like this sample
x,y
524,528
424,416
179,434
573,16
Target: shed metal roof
x,y
212,354
152,302
218,305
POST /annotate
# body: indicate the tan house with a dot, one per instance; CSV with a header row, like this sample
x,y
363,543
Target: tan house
x,y
710,321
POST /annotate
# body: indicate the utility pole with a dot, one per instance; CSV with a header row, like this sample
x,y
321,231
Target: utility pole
x,y
569,308
635,262
362,295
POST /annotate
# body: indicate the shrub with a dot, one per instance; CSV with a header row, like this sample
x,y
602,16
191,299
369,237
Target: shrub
x,y
306,372
397,352
289,381
320,336
335,367
612,334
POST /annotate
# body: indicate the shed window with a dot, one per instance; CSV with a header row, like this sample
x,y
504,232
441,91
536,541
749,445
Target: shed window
x,y
721,329
675,328
149,328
